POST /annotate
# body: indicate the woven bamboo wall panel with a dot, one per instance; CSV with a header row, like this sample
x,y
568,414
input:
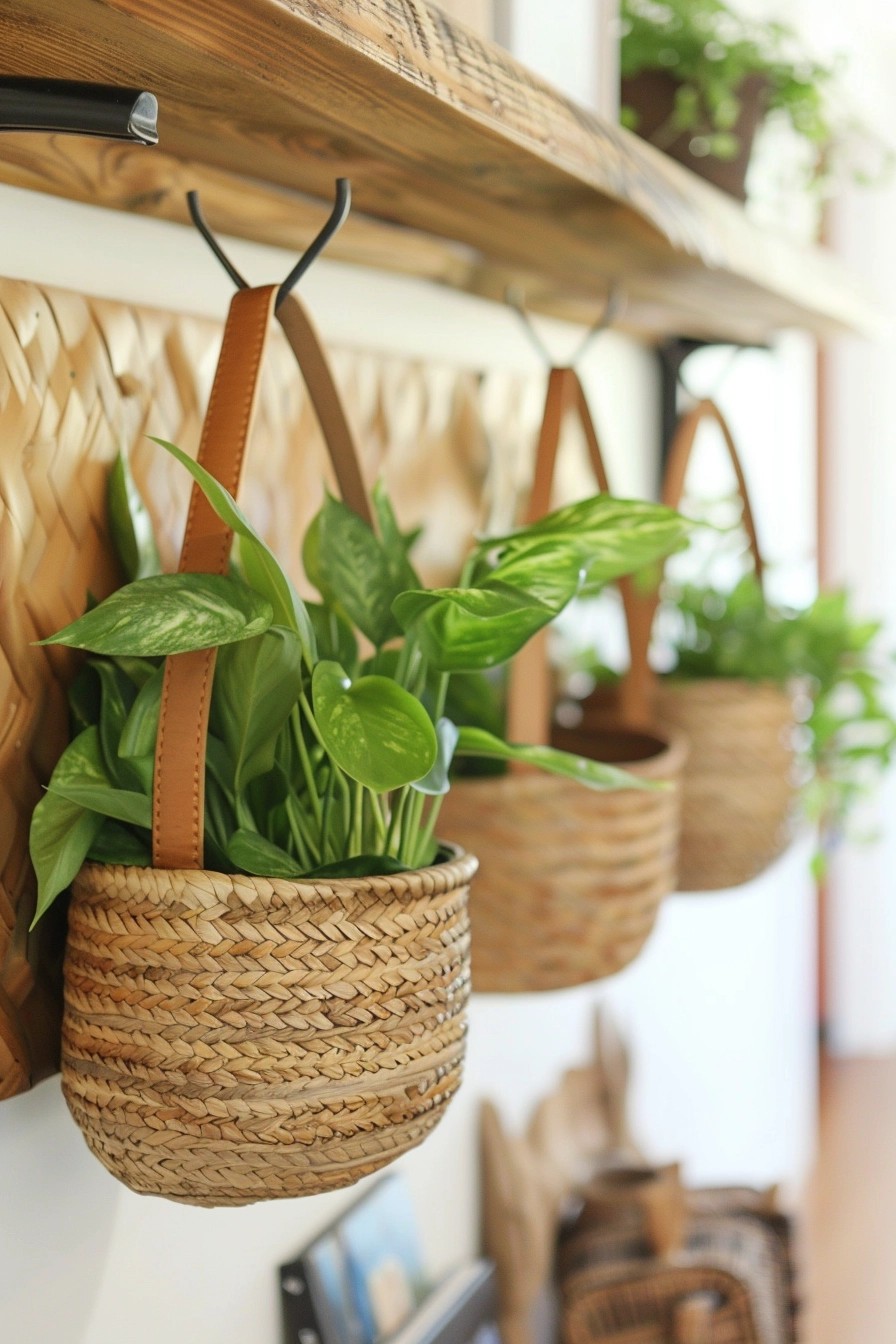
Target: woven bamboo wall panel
x,y
82,378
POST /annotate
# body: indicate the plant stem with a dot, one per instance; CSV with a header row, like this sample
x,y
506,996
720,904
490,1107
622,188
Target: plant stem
x,y
307,768
357,838
428,833
395,822
376,813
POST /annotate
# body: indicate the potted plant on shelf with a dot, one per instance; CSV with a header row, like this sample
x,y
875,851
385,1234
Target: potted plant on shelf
x,y
699,78
291,1016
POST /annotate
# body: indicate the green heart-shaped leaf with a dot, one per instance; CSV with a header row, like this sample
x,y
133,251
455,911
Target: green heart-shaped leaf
x,y
171,613
469,629
375,731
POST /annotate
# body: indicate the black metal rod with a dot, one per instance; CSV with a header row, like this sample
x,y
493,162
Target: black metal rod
x,y
75,108
198,219
338,216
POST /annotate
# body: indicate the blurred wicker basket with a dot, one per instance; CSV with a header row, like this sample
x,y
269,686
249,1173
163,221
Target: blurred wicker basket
x,y
571,879
739,782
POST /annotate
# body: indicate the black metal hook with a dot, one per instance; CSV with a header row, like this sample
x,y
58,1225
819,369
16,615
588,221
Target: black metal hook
x,y
72,107
613,307
338,215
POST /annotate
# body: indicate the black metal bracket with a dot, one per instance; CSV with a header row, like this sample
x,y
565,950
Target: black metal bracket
x,y
75,108
673,355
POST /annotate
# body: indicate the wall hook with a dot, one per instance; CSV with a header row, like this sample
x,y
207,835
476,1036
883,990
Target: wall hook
x,y
612,308
75,108
338,215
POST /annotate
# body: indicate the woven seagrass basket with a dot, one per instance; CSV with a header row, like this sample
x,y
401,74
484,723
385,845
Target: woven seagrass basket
x,y
228,1039
571,879
739,782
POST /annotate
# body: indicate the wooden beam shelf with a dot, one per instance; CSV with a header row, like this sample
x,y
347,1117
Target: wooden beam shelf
x,y
466,168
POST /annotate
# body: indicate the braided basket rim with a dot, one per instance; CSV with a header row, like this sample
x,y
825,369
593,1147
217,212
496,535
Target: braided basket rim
x,y
434,880
668,761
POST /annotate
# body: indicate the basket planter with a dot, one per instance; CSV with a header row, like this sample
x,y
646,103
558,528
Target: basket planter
x,y
571,878
652,93
229,1039
571,881
739,784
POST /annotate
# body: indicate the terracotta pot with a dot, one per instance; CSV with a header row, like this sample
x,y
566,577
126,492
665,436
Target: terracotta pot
x,y
651,93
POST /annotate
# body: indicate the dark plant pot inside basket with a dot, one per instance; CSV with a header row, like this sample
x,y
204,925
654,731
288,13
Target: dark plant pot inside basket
x,y
651,94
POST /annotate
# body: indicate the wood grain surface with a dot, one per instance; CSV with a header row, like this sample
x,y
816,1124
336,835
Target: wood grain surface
x,y
441,132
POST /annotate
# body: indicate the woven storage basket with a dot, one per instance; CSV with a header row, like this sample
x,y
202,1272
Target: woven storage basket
x,y
571,878
739,782
228,1039
676,1267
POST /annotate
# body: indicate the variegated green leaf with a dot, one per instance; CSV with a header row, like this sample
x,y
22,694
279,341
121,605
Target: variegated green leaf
x,y
375,731
261,567
171,613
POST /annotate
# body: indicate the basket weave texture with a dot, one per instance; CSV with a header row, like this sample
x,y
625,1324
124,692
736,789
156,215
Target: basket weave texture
x,y
229,1039
739,784
571,880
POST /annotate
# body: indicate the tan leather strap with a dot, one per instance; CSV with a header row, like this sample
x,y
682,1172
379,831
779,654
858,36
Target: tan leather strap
x,y
679,458
639,685
179,775
529,692
327,403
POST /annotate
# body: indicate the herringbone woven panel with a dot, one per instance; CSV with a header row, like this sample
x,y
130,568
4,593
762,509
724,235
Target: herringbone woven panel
x,y
82,378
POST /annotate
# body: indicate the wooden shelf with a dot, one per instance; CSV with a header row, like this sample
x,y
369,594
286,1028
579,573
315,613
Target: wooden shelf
x,y
466,168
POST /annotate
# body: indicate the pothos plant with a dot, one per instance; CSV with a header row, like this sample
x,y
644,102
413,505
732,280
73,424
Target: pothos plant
x,y
849,735
328,749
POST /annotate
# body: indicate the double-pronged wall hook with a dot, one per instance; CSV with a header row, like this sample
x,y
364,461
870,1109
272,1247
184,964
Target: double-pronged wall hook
x,y
338,215
612,308
75,108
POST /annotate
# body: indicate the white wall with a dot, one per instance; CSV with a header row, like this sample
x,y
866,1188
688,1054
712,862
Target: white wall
x,y
861,405
719,1007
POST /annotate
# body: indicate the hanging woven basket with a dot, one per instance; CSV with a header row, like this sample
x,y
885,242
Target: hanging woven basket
x,y
571,879
739,782
228,1039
